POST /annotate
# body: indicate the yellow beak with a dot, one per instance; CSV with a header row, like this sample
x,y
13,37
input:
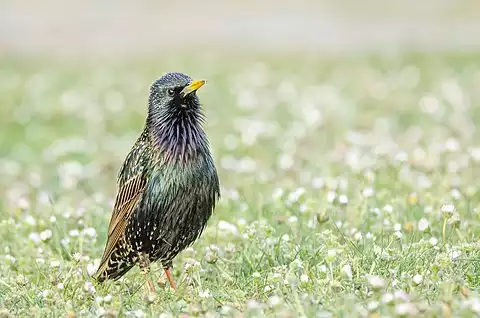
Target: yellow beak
x,y
192,87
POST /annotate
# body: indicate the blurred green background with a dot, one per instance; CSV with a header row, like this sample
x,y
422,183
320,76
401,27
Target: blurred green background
x,y
345,135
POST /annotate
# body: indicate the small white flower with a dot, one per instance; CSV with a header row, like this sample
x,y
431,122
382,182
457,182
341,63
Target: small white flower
x,y
387,298
401,295
285,238
398,234
456,194
292,219
275,301
454,255
74,233
45,235
405,309
447,209
227,227
267,288
347,271
433,241
318,183
296,195
55,264
40,261
373,305
60,286
304,278
89,288
256,275
367,192
331,255
397,227
375,281
91,269
89,231
10,259
35,237
30,220
323,268
204,294
331,195
107,299
417,279
423,225
277,193
388,208
52,219
343,199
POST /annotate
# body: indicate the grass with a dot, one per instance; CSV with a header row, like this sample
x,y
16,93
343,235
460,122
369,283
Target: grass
x,y
350,187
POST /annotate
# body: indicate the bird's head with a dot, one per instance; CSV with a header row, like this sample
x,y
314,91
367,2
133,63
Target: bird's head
x,y
174,93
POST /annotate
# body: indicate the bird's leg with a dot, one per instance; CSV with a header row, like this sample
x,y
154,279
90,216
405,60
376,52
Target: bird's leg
x,y
144,263
166,268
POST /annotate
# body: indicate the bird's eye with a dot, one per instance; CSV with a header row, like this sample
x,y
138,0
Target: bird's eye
x,y
170,92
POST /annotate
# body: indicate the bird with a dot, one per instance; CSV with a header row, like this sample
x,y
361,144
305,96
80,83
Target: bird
x,y
168,185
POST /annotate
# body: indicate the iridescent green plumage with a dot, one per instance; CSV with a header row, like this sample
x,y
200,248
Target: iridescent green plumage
x,y
168,184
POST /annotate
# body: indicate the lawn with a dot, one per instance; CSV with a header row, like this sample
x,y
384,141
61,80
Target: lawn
x,y
350,187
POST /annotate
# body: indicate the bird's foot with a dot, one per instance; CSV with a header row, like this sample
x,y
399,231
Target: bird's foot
x,y
170,279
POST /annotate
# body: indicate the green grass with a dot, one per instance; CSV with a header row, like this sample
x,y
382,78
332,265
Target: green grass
x,y
350,187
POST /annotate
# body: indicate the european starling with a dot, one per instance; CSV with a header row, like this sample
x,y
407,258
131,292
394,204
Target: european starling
x,y
167,187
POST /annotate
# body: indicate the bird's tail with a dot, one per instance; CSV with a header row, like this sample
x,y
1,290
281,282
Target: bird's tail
x,y
112,273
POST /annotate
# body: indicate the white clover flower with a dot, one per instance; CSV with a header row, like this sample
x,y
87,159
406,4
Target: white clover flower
x,y
367,192
89,231
387,298
35,237
10,259
107,299
331,255
433,241
204,294
277,193
447,209
89,288
318,183
55,264
304,278
91,269
343,199
372,305
331,195
275,301
417,279
285,161
293,219
454,255
227,227
74,233
296,195
404,309
30,220
45,235
423,225
401,295
347,271
375,281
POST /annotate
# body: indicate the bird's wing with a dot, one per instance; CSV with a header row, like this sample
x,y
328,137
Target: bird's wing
x,y
127,198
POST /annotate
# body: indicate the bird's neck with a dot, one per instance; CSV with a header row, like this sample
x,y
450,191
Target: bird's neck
x,y
178,138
